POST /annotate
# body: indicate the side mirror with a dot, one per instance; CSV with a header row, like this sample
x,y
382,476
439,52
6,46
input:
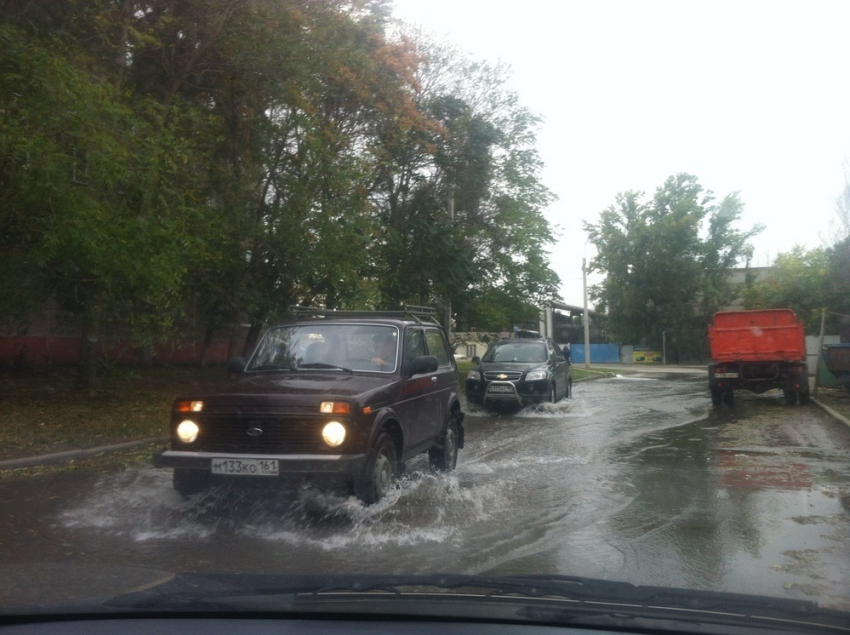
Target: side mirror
x,y
476,360
423,364
236,365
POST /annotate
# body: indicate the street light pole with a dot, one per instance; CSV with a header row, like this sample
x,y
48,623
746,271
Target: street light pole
x,y
585,317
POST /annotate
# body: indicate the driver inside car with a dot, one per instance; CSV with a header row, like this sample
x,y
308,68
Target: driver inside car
x,y
384,357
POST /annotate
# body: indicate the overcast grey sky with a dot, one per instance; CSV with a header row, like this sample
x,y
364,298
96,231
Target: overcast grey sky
x,y
749,96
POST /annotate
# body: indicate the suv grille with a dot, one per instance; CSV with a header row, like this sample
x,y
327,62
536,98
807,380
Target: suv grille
x,y
280,435
512,375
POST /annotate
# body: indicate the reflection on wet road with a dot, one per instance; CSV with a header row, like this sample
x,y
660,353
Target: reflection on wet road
x,y
633,479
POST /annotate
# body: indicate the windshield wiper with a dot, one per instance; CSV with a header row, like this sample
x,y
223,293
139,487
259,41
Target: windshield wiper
x,y
272,367
325,366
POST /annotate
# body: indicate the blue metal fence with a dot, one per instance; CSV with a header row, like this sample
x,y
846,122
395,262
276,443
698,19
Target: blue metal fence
x,y
599,353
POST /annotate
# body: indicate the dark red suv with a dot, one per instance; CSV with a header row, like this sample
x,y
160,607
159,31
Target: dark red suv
x,y
340,396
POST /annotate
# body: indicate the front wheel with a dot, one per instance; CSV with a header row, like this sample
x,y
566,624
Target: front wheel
x,y
445,458
188,482
570,388
381,469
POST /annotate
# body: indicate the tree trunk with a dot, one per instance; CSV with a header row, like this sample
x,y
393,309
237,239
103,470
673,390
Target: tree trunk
x,y
251,339
146,355
89,345
205,350
233,345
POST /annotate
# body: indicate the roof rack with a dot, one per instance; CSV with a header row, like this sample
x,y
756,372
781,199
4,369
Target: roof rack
x,y
407,311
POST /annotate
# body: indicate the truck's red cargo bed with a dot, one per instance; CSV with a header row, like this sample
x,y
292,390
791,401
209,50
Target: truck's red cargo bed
x,y
757,336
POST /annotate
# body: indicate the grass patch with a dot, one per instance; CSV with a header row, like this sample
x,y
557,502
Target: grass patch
x,y
584,373
42,414
109,462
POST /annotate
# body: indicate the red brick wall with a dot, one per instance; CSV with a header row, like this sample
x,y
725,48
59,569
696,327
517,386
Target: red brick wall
x,y
40,350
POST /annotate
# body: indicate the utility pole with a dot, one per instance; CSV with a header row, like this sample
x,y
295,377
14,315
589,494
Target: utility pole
x,y
449,299
819,351
586,316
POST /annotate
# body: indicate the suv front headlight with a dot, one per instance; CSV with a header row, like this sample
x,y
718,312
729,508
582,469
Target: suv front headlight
x,y
473,374
535,375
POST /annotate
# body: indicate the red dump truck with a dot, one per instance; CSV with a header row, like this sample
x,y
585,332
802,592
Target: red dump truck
x,y
757,351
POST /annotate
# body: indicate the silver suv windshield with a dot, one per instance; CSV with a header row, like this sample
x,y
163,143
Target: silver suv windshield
x,y
356,347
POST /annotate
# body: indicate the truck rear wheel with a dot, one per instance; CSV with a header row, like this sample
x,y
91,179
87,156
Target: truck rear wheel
x,y
803,396
790,396
716,397
728,397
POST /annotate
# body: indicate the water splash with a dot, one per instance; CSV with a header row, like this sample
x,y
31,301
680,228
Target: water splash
x,y
424,507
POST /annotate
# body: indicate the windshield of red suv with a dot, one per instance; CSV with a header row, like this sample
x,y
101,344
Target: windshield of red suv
x,y
358,347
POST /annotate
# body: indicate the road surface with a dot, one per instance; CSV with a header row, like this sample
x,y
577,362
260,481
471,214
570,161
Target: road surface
x,y
635,478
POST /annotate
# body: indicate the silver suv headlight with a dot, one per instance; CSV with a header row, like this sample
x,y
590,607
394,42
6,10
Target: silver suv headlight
x,y
474,374
535,375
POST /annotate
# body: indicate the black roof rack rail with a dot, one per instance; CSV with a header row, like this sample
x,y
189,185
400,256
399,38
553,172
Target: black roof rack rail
x,y
407,311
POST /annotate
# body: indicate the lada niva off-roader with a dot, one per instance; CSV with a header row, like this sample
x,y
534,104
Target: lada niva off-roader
x,y
335,395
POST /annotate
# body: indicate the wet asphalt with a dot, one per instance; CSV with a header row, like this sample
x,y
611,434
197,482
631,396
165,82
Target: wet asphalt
x,y
636,479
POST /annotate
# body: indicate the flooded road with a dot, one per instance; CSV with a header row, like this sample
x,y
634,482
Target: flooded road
x,y
636,479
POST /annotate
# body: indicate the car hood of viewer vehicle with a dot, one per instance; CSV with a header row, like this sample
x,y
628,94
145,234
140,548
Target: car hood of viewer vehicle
x,y
537,599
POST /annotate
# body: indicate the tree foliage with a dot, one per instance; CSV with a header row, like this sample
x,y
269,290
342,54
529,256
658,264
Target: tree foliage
x,y
666,262
240,156
811,281
798,280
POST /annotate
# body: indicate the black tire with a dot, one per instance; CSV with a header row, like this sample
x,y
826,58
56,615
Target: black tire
x,y
728,397
188,482
570,388
716,396
790,396
553,397
445,458
380,472
803,396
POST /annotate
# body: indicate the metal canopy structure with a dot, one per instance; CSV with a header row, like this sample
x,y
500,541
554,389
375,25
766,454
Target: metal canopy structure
x,y
572,308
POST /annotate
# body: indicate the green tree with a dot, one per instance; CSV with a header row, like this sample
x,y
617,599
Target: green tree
x,y
234,158
666,262
92,195
810,281
798,280
460,201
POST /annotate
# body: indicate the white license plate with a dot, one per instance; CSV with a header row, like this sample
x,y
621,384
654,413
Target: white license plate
x,y
726,375
245,467
500,388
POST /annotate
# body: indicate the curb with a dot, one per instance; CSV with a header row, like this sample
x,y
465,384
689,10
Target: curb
x,y
840,417
72,455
